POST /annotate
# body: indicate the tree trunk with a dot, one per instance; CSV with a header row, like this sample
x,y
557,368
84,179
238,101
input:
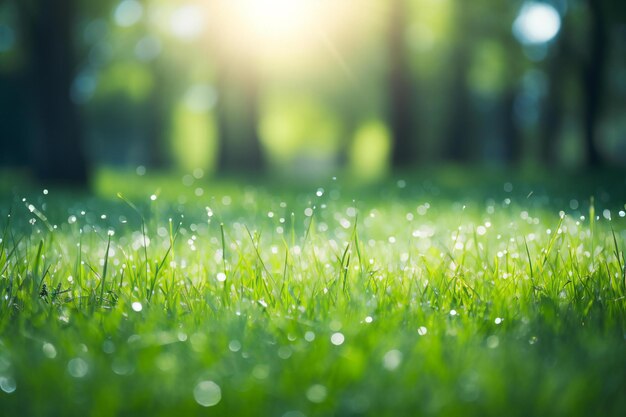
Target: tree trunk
x,y
512,138
158,126
458,136
240,146
593,80
400,89
58,154
552,114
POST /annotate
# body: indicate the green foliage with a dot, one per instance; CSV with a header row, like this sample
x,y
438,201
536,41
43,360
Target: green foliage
x,y
299,126
194,138
258,300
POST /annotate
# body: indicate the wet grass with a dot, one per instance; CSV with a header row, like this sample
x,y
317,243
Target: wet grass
x,y
446,295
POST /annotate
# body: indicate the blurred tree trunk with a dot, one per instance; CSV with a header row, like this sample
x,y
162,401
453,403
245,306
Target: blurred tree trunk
x,y
551,121
238,119
458,135
400,89
593,75
239,149
14,129
159,114
58,153
512,136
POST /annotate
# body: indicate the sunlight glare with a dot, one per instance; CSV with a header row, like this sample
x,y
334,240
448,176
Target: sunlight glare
x,y
537,23
276,19
187,22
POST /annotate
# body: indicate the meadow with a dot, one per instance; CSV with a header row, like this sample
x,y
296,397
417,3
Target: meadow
x,y
445,294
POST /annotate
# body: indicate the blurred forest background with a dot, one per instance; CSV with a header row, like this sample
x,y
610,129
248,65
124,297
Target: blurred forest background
x,y
306,87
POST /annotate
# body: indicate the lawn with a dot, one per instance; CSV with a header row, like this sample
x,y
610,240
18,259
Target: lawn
x,y
443,295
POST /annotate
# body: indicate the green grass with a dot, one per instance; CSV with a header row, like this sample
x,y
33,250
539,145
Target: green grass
x,y
452,295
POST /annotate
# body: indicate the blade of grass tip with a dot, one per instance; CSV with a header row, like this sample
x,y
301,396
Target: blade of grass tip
x,y
621,261
616,248
592,221
9,256
5,230
41,217
293,229
43,276
553,239
308,229
171,236
282,287
38,258
159,266
258,254
346,269
79,260
143,231
224,262
624,271
355,238
345,258
104,270
145,247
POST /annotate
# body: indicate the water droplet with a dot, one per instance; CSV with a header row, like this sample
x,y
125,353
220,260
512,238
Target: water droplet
x,y
49,350
316,393
337,339
77,367
392,360
234,346
422,331
7,384
493,342
498,320
198,173
108,346
309,336
207,393
261,371
284,352
221,277
137,306
453,312
368,319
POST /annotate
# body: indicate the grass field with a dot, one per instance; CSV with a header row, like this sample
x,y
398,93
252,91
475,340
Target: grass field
x,y
442,296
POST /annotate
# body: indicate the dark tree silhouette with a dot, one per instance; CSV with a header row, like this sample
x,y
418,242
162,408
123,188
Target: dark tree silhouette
x,y
238,83
237,115
401,104
458,135
552,115
14,137
47,27
513,150
593,77
158,117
